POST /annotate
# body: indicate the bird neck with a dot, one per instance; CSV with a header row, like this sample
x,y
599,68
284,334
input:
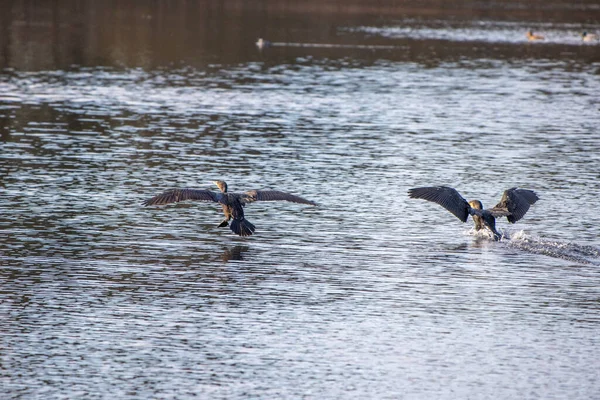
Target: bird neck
x,y
222,186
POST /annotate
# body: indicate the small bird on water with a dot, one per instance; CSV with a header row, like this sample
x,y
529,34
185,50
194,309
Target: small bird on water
x,y
589,37
262,44
532,37
232,203
513,205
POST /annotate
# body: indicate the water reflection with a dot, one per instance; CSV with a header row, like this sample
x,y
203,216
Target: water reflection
x,y
234,253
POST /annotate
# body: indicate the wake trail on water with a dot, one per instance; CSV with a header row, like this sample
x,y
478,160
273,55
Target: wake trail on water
x,y
570,251
584,254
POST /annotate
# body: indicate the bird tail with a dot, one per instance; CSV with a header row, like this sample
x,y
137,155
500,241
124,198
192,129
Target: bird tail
x,y
242,227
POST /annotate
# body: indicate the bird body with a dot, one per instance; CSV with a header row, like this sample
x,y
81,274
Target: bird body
x,y
513,205
233,209
232,203
532,37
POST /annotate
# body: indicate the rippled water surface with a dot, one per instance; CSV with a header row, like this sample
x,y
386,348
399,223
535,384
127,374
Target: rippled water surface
x,y
369,295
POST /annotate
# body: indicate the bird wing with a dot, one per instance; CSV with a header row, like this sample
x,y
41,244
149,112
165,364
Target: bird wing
x,y
274,195
176,195
446,197
514,204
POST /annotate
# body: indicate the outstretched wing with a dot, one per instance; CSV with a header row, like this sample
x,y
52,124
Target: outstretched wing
x,y
446,197
514,204
274,195
176,195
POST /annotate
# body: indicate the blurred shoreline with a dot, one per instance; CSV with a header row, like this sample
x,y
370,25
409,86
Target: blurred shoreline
x,y
60,34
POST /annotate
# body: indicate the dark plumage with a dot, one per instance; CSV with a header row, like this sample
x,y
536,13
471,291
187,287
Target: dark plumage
x,y
232,203
513,205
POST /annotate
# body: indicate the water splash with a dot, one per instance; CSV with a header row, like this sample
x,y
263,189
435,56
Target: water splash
x,y
570,251
584,254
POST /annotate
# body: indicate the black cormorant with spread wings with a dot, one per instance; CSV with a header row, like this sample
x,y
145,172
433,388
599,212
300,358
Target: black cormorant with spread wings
x,y
513,205
232,203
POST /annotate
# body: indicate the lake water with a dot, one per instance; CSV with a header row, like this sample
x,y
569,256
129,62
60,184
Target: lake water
x,y
369,295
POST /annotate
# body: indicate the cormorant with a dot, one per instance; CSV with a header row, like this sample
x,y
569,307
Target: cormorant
x,y
531,37
232,203
513,205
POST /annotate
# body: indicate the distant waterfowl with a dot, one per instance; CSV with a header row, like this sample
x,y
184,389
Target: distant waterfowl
x,y
232,203
261,43
589,37
531,37
513,205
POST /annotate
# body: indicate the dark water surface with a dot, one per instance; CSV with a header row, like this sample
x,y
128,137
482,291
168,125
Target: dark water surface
x,y
369,295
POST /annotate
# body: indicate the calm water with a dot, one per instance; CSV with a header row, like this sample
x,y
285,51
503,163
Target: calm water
x,y
370,295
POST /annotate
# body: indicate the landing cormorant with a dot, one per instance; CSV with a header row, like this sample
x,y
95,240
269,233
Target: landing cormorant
x,y
233,203
513,205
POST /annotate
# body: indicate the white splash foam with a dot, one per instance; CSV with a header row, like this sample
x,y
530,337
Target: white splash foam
x,y
570,251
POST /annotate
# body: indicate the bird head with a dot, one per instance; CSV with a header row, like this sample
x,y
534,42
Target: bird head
x,y
476,204
221,185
